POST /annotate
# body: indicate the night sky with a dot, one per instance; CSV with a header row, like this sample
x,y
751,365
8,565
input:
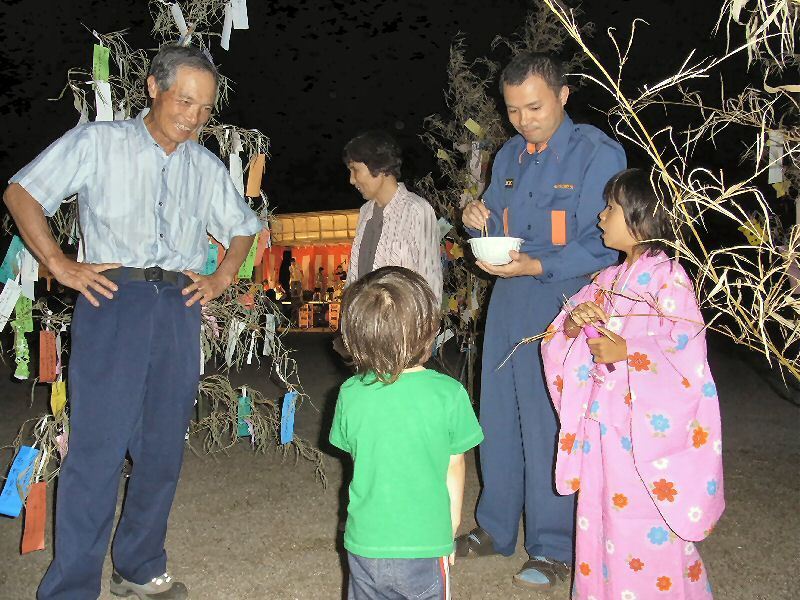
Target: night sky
x,y
312,74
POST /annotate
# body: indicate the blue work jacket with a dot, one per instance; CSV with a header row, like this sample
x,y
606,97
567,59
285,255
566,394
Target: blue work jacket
x,y
554,198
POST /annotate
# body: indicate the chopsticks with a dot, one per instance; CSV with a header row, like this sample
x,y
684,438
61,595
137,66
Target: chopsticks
x,y
485,226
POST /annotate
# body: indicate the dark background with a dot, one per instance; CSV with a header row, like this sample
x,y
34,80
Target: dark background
x,y
311,75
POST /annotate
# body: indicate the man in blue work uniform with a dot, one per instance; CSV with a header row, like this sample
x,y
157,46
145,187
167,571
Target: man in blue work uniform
x,y
548,181
147,195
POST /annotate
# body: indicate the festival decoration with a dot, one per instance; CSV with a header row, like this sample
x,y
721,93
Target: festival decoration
x,y
747,289
750,289
233,325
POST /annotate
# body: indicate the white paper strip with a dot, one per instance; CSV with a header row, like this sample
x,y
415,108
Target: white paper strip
x,y
120,114
236,173
444,227
252,348
177,14
28,272
269,335
775,144
102,101
239,14
8,300
236,328
227,25
475,164
475,160
58,352
84,118
280,370
236,142
442,338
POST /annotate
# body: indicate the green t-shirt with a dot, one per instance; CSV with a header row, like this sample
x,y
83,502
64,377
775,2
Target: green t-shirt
x,y
401,437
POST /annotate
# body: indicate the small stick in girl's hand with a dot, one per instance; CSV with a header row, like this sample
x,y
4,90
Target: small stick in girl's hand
x,y
592,332
485,227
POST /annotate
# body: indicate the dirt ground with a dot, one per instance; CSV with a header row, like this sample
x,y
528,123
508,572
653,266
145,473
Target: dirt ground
x,y
254,527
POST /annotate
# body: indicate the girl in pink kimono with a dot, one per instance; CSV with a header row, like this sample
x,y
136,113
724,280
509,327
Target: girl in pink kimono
x,y
639,418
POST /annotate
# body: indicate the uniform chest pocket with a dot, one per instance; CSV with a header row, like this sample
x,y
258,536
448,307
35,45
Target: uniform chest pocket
x,y
555,218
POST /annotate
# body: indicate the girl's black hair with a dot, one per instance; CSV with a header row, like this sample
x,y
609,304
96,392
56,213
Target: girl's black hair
x,y
647,215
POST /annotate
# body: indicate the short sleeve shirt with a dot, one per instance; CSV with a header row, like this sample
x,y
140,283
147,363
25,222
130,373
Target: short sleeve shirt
x,y
401,437
137,205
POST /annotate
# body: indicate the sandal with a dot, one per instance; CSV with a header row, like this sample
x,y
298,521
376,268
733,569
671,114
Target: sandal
x,y
475,543
541,573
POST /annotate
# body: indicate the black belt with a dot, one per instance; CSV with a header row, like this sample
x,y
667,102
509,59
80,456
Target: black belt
x,y
153,274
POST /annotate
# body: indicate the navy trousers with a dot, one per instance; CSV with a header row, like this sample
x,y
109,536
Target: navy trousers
x,y
133,375
517,455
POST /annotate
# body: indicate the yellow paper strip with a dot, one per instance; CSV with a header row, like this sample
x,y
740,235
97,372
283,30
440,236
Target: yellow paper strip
x,y
58,396
474,127
781,187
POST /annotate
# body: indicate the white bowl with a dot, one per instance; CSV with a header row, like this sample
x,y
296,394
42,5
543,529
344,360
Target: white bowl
x,y
494,250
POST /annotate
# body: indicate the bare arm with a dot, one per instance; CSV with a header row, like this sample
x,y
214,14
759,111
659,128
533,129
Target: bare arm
x,y
32,224
207,287
455,487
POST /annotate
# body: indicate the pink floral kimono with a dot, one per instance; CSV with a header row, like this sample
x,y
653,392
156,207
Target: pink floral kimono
x,y
642,443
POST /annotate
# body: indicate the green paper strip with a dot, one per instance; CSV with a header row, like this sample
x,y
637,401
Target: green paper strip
x,y
246,270
100,63
22,355
23,319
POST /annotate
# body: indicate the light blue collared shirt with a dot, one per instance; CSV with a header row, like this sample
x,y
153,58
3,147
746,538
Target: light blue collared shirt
x,y
137,205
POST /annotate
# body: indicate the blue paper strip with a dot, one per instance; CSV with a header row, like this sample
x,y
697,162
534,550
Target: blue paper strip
x,y
10,266
287,417
22,467
245,409
211,260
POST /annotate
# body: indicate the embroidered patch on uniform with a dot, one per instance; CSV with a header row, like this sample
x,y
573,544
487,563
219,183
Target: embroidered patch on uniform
x,y
509,183
564,186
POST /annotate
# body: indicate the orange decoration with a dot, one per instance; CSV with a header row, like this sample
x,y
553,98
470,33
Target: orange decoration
x,y
664,490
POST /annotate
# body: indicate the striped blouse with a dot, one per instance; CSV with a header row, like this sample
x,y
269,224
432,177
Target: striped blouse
x,y
409,238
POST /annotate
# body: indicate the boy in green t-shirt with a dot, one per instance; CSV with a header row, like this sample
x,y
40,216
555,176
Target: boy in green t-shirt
x,y
407,429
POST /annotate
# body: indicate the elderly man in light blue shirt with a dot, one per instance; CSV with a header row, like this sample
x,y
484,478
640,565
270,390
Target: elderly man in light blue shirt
x,y
147,196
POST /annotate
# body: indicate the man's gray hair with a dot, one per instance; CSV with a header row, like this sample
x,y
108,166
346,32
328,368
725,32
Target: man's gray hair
x,y
165,64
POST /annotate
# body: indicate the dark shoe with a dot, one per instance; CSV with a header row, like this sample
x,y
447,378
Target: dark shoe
x,y
158,588
542,573
475,543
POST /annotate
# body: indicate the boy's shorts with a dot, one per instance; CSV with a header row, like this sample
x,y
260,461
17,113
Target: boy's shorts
x,y
420,578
